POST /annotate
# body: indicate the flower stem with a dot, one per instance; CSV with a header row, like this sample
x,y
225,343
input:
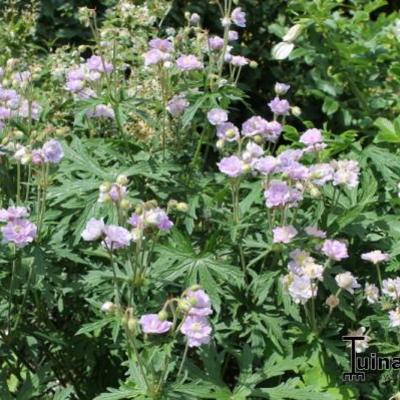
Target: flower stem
x,y
183,359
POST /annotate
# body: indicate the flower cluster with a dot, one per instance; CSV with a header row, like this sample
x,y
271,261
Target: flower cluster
x,y
194,307
114,192
84,81
51,152
18,229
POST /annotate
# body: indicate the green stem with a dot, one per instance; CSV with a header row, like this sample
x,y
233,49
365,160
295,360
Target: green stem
x,y
183,359
378,272
12,288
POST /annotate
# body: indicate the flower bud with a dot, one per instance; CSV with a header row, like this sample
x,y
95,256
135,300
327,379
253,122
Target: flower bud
x,y
26,159
184,305
282,50
162,315
131,325
258,139
182,207
18,134
105,187
293,33
314,192
193,288
332,301
220,144
122,180
253,64
125,204
296,111
108,307
172,204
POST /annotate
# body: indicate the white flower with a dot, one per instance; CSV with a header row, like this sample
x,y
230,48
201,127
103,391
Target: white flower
x,y
360,345
347,282
301,289
371,292
391,287
93,230
107,307
282,50
394,318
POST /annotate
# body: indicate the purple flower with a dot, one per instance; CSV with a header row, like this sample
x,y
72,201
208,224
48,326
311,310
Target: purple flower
x,y
116,237
94,230
233,36
279,194
375,257
290,156
301,290
311,137
200,302
284,234
101,111
228,131
135,220
266,165
346,173
98,64
295,171
13,213
335,250
315,232
238,61
163,45
255,126
216,43
189,63
74,86
37,157
273,131
239,17
177,105
197,330
217,116
19,231
279,107
52,151
151,323
194,19
231,166
253,150
116,192
281,88
320,174
158,217
155,56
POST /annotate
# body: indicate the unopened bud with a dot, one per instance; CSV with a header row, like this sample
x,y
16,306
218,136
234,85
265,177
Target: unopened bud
x,y
125,204
131,325
122,180
18,134
293,33
296,111
184,305
162,315
220,144
108,307
332,301
258,139
105,187
315,192
172,204
182,207
253,64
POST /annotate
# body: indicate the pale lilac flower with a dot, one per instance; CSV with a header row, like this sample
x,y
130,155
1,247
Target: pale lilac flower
x,y
239,61
360,345
177,105
288,157
281,88
371,292
311,137
101,111
253,150
301,289
335,250
279,194
94,230
255,126
217,116
284,234
197,330
37,157
347,282
194,19
53,151
233,36
116,237
273,131
266,165
279,107
19,231
231,166
216,43
346,173
155,56
158,217
163,45
228,131
151,323
391,288
98,64
189,63
200,302
13,213
319,174
238,17
116,192
315,232
295,171
375,257
298,260
394,318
